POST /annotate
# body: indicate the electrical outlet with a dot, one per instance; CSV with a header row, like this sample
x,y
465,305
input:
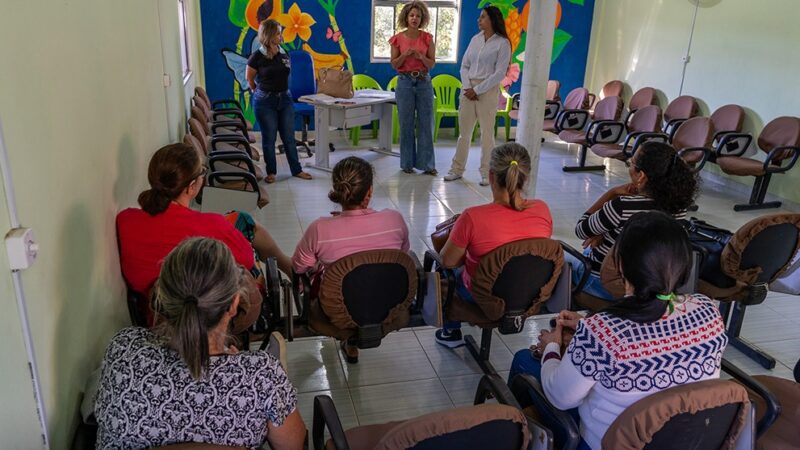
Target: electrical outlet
x,y
22,248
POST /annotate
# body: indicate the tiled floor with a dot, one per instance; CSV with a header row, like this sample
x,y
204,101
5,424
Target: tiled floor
x,y
409,374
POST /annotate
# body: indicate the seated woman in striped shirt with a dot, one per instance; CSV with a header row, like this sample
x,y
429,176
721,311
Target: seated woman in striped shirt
x,y
356,229
660,180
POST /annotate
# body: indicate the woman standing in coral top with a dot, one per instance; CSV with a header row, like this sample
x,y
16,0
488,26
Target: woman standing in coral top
x,y
413,55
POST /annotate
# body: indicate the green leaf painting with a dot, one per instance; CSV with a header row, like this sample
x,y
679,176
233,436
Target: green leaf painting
x,y
577,2
236,13
560,40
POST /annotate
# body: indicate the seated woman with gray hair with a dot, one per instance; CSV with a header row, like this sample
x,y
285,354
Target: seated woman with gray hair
x,y
184,381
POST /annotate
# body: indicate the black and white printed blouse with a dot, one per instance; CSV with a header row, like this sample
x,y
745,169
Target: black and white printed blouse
x,y
147,397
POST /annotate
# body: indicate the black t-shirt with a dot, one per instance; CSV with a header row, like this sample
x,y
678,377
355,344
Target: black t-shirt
x,y
272,75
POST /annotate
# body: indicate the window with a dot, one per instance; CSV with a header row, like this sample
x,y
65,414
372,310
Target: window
x,y
184,32
443,26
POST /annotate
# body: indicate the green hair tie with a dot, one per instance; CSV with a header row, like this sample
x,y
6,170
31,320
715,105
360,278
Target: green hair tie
x,y
669,298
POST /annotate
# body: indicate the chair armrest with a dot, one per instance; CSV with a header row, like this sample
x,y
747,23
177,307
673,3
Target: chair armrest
x,y
773,407
529,393
325,415
231,156
592,99
228,124
273,279
551,109
770,168
224,176
585,277
672,126
493,385
226,101
422,285
431,258
230,139
640,138
224,111
572,119
729,140
707,153
598,127
303,300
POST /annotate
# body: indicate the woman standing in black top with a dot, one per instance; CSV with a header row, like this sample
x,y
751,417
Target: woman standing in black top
x,y
268,77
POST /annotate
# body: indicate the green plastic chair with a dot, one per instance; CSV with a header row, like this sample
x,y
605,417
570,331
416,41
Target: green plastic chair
x,y
504,103
361,81
446,88
392,86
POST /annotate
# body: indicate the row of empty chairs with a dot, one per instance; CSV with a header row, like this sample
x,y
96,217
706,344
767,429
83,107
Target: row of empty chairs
x,y
717,139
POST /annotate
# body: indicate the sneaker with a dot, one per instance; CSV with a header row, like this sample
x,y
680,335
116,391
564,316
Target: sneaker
x,y
484,181
452,177
408,171
451,339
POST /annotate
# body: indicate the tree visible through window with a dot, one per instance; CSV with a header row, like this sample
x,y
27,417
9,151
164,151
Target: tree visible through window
x,y
443,26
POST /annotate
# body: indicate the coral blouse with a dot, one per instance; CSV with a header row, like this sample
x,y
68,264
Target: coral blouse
x,y
421,44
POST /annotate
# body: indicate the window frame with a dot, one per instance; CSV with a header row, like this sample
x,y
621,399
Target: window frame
x,y
455,4
185,46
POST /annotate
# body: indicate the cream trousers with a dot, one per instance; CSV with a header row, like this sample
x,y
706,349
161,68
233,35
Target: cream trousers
x,y
482,110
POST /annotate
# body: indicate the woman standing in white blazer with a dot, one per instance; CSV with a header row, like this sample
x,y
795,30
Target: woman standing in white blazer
x,y
483,67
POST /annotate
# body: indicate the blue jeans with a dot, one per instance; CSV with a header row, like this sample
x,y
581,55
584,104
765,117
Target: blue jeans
x,y
594,285
415,114
525,362
275,114
461,291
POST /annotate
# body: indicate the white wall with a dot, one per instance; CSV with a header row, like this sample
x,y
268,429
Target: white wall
x,y
742,52
83,107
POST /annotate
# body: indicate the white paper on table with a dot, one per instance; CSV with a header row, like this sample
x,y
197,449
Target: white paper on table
x,y
373,93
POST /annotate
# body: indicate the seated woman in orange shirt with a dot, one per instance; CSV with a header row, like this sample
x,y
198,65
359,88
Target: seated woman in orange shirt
x,y
481,229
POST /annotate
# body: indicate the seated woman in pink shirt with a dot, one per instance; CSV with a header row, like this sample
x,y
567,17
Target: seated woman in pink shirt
x,y
357,228
481,229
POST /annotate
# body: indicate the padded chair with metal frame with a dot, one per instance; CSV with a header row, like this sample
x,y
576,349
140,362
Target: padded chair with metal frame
x,y
607,110
513,282
226,113
692,140
224,125
552,98
780,140
728,138
755,256
613,88
645,96
220,146
557,116
705,414
302,81
446,89
642,127
361,298
777,405
678,111
500,426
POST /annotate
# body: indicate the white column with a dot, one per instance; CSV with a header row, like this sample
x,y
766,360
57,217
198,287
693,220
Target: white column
x,y
536,72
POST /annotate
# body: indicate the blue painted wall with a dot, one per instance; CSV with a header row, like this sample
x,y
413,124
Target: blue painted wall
x,y
354,19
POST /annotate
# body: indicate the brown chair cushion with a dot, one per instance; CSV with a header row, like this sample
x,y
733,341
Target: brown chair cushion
x,y
731,257
573,136
331,297
735,165
408,433
608,150
645,96
637,425
609,108
731,294
365,437
491,266
784,434
779,132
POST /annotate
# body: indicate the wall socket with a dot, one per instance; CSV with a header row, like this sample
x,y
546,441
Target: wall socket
x,y
22,248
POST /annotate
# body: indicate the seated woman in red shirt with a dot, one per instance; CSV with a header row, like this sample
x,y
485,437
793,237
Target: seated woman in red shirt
x,y
176,174
481,229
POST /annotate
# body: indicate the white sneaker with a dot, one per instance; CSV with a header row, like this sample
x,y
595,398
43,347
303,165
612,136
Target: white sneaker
x,y
484,181
452,177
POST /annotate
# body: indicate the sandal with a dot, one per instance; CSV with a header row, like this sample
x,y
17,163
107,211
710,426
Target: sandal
x,y
303,176
409,171
431,172
348,351
270,178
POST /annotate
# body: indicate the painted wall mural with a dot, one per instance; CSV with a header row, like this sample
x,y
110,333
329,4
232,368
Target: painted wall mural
x,y
337,33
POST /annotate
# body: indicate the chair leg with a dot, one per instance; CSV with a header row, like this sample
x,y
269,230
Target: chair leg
x,y
374,129
760,187
355,135
481,354
582,167
438,119
739,343
507,123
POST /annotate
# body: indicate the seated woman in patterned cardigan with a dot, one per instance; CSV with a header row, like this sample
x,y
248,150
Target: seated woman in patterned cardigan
x,y
183,381
648,341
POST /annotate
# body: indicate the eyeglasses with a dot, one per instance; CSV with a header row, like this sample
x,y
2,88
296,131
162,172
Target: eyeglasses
x,y
629,163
